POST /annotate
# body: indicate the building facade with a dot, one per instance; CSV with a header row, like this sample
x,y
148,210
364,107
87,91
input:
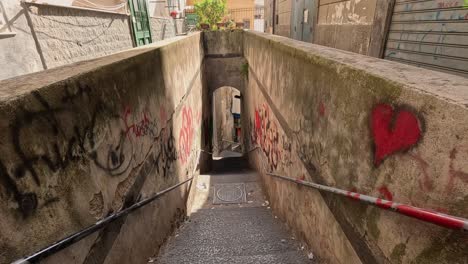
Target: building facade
x,y
43,34
430,34
243,12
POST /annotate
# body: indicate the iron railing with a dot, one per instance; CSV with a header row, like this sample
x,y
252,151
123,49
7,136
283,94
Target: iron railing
x,y
72,239
426,215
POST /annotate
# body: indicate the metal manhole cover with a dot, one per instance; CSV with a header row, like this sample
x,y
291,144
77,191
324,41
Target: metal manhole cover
x,y
229,193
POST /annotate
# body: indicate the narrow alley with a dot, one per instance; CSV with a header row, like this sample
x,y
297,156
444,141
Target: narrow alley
x,y
136,131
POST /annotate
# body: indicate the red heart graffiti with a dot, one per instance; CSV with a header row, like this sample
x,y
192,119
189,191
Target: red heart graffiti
x,y
390,138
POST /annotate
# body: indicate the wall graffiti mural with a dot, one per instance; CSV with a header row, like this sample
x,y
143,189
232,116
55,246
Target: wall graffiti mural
x,y
393,131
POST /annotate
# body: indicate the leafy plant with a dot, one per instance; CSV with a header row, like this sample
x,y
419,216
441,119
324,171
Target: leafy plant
x,y
210,11
245,70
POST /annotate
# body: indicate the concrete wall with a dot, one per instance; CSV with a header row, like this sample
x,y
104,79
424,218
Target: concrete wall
x,y
358,123
268,16
83,141
25,58
283,17
224,59
162,28
345,24
354,25
224,62
69,35
51,36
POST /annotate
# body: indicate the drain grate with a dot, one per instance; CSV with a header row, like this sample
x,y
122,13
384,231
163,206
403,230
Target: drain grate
x,y
232,193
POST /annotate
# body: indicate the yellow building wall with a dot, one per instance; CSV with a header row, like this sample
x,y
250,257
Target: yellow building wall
x,y
238,10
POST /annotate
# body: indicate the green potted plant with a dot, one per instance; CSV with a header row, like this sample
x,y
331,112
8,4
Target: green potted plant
x,y
210,12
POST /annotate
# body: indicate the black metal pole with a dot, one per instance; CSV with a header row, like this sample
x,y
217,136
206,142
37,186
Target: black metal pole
x,y
65,242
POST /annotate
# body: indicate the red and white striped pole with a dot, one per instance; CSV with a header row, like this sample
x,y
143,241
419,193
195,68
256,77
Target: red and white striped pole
x,y
426,215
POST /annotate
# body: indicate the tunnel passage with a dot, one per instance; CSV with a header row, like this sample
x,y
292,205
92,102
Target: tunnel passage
x,y
227,116
82,142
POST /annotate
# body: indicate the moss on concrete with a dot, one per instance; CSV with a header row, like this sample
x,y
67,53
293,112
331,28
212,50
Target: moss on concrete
x,y
397,253
449,249
372,219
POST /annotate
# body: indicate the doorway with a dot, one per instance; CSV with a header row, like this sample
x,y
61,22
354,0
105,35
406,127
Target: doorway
x,y
140,22
227,131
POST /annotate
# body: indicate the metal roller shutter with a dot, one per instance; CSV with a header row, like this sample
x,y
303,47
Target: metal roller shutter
x,y
431,34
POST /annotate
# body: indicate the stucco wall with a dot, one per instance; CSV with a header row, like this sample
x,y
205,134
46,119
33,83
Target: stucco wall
x,y
68,35
82,141
361,124
18,53
162,28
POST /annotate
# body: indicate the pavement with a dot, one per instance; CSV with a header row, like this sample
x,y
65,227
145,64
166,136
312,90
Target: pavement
x,y
231,233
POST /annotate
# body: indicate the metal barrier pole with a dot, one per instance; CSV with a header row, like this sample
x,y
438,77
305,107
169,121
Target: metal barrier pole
x,y
425,215
70,240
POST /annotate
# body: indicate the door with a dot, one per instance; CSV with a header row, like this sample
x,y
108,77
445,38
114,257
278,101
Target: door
x,y
296,19
303,17
140,22
308,19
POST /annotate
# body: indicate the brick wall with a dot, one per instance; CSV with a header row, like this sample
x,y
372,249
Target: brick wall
x,y
67,35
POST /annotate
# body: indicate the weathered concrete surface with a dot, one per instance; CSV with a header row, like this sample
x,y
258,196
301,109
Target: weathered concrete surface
x,y
224,61
232,233
225,72
70,35
345,24
358,123
162,28
223,43
25,58
82,141
50,36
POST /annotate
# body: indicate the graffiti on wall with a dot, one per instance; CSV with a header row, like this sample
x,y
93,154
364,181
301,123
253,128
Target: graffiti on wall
x,y
393,130
59,143
138,125
266,135
66,133
186,134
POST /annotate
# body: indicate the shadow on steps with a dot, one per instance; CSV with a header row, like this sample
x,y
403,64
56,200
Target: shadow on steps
x,y
229,165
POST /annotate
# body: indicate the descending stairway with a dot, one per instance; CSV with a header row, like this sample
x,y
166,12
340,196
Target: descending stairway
x,y
231,233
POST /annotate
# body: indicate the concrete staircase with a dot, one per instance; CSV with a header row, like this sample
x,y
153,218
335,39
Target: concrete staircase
x,y
232,233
